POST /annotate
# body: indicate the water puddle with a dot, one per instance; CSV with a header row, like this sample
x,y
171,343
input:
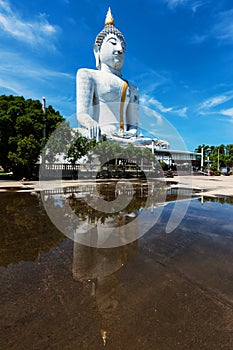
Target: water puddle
x,y
163,289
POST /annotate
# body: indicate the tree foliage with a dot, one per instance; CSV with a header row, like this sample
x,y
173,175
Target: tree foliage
x,y
221,155
24,129
120,159
107,150
80,147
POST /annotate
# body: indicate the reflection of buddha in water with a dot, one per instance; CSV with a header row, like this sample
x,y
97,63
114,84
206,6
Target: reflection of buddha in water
x,y
104,98
100,266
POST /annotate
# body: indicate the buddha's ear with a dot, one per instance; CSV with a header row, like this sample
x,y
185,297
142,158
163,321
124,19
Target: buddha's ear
x,y
97,56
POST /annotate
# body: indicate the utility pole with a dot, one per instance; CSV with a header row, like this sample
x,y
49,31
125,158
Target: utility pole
x,y
44,111
202,158
44,129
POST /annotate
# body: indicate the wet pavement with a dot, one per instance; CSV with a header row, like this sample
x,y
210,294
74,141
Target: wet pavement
x,y
162,291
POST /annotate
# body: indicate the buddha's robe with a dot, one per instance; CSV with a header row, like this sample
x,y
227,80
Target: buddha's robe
x,y
107,101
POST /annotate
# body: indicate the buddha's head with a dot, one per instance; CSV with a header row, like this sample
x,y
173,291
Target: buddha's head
x,y
109,47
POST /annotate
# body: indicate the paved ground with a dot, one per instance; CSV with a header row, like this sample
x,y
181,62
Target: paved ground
x,y
211,185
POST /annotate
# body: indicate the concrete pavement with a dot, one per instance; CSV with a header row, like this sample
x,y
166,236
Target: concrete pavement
x,y
211,185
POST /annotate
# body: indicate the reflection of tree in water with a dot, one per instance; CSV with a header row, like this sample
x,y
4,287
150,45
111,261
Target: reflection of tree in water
x,y
100,266
144,196
26,230
220,199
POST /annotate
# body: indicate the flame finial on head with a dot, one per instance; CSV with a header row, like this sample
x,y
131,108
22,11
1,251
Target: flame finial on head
x,y
109,28
109,18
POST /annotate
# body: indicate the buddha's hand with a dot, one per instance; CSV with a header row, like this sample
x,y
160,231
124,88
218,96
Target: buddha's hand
x,y
86,120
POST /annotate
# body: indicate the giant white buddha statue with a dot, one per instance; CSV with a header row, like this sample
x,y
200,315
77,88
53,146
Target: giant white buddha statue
x,y
106,102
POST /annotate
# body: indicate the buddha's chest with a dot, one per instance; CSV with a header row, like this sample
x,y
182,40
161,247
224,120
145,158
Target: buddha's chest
x,y
110,89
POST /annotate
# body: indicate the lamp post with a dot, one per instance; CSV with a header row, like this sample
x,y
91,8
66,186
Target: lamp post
x,y
44,111
202,158
208,151
44,130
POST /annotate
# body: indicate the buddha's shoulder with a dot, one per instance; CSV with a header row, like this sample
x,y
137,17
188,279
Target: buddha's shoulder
x,y
98,77
87,73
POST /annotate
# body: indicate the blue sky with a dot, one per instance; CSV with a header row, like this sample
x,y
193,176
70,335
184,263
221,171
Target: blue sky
x,y
179,54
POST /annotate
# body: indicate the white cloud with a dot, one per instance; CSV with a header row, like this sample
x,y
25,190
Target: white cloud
x,y
182,112
174,3
34,32
18,64
5,5
192,4
156,115
227,112
150,80
216,100
149,117
151,102
21,76
223,29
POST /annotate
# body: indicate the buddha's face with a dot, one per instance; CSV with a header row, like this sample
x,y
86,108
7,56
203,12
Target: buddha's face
x,y
111,52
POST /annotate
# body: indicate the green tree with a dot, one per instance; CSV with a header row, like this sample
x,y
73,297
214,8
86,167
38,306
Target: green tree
x,y
116,156
79,147
220,156
24,129
26,154
229,155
